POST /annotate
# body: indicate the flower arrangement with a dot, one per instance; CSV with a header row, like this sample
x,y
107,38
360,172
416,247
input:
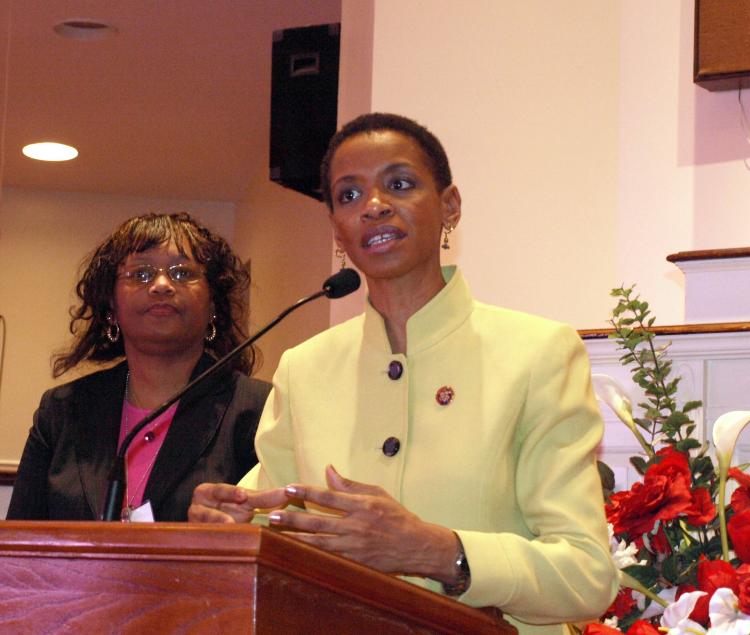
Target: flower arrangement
x,y
683,553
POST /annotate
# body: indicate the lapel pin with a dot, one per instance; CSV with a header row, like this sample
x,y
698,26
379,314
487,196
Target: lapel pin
x,y
445,395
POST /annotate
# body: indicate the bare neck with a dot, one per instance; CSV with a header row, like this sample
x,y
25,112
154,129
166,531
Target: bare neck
x,y
398,300
154,379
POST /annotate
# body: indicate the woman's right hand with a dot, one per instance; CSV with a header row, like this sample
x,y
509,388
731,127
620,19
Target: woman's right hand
x,y
224,503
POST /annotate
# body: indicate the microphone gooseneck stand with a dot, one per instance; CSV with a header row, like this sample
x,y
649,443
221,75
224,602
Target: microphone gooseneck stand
x,y
337,286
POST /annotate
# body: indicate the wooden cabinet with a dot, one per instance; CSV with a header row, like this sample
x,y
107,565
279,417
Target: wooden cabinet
x,y
722,44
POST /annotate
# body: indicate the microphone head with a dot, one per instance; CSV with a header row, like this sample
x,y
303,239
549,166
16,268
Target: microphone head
x,y
342,283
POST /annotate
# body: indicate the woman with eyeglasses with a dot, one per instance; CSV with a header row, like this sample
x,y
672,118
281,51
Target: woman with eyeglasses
x,y
164,295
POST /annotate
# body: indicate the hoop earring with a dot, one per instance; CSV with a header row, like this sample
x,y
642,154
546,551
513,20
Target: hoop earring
x,y
113,332
446,231
211,335
341,255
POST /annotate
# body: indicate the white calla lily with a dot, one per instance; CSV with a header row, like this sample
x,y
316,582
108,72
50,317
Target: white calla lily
x,y
725,616
655,609
726,431
612,394
676,618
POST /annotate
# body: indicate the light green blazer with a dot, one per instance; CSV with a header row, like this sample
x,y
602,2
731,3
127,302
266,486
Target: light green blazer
x,y
509,463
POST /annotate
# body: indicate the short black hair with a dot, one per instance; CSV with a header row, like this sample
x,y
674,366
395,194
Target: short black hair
x,y
378,121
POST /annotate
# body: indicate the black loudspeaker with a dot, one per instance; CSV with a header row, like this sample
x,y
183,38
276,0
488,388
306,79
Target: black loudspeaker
x,y
304,101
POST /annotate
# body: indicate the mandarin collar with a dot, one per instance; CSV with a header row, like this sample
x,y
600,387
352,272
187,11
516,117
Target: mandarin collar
x,y
442,315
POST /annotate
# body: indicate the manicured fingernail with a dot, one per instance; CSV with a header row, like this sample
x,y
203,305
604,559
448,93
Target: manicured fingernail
x,y
274,518
292,490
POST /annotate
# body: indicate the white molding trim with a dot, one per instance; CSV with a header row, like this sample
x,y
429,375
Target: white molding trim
x,y
684,345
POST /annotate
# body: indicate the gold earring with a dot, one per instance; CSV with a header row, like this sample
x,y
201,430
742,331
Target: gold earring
x,y
211,334
446,231
341,255
113,332
113,329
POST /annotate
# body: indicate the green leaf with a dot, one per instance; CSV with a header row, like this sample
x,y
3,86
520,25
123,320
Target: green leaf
x,y
674,422
639,463
646,575
643,423
670,568
704,465
691,405
688,444
607,478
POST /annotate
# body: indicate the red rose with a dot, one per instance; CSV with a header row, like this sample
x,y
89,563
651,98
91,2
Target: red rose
x,y
739,532
596,628
743,594
623,604
712,575
643,627
663,495
743,480
660,543
700,611
672,464
702,510
741,496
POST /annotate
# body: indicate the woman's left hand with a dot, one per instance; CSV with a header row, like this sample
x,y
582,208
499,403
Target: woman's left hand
x,y
371,528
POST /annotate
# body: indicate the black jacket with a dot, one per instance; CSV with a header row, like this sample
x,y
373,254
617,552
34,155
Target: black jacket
x,y
65,464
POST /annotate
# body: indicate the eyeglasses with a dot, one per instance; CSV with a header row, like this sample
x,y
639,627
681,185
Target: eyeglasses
x,y
179,274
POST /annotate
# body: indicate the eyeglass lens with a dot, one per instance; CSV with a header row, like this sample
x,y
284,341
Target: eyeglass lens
x,y
181,274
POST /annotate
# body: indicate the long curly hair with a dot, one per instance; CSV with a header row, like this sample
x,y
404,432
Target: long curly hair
x,y
227,280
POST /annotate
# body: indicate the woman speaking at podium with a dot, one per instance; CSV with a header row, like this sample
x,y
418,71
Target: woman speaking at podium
x,y
166,293
433,436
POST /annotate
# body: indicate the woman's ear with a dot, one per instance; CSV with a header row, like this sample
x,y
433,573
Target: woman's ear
x,y
451,199
336,236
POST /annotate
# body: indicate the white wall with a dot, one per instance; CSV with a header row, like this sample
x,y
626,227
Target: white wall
x,y
44,237
655,216
524,97
288,239
683,184
584,152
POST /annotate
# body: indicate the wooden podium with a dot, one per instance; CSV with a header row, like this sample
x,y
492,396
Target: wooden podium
x,y
96,577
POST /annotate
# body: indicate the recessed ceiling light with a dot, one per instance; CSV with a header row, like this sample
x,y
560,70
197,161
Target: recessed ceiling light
x,y
81,29
49,151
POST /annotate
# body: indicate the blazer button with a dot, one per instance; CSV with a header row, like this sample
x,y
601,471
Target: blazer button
x,y
395,370
391,446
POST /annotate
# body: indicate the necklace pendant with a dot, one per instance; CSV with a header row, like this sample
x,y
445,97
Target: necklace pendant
x,y
149,436
125,513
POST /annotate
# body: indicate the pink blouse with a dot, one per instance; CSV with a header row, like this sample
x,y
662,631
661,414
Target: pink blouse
x,y
142,453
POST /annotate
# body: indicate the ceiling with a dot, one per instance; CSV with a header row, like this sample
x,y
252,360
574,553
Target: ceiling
x,y
175,105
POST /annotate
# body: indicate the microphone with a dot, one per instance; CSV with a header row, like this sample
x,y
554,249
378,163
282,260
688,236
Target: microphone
x,y
341,283
338,285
